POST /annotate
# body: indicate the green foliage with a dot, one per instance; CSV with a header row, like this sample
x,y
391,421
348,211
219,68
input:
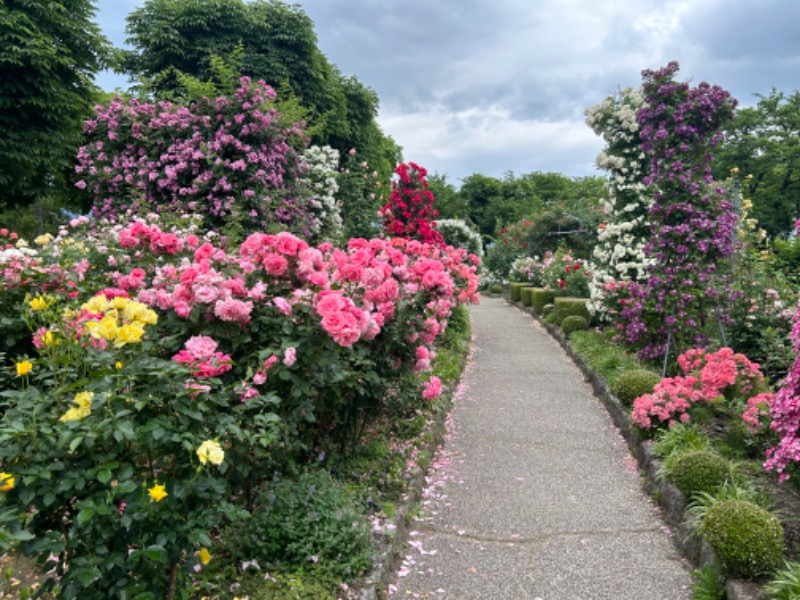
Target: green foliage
x,y
541,297
607,359
50,54
547,310
573,324
569,307
785,584
634,383
709,583
681,437
747,539
313,519
762,142
698,471
496,288
526,296
362,192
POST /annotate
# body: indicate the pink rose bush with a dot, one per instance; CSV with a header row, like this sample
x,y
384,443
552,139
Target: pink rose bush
x,y
709,377
147,339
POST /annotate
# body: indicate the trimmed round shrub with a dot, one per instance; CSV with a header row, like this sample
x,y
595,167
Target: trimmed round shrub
x,y
569,307
747,539
496,289
698,471
632,384
547,309
574,323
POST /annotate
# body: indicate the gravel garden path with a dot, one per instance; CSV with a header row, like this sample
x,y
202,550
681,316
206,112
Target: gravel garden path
x,y
534,494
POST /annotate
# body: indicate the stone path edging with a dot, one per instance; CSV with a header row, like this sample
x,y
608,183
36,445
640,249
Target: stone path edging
x,y
670,498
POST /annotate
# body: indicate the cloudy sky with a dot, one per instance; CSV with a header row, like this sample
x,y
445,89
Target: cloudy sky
x,y
490,86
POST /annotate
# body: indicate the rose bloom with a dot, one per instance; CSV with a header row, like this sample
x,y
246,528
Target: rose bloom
x,y
211,452
233,310
201,346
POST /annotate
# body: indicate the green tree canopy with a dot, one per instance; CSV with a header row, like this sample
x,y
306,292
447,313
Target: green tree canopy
x,y
49,54
763,142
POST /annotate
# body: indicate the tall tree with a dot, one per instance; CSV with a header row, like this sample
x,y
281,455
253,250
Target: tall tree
x,y
763,142
49,54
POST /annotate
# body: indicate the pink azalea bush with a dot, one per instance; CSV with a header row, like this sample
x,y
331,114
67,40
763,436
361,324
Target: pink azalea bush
x,y
785,414
709,377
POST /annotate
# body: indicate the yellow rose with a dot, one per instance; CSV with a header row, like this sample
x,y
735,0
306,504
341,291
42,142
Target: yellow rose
x,y
211,452
136,312
119,303
24,367
96,304
7,482
49,339
128,334
43,239
105,329
39,303
157,493
118,365
75,413
84,400
204,555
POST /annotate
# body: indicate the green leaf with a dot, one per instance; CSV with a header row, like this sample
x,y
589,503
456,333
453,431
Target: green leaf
x,y
73,445
155,553
104,476
87,575
85,515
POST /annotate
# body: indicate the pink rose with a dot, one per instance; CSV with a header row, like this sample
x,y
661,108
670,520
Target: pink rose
x,y
201,346
232,310
433,388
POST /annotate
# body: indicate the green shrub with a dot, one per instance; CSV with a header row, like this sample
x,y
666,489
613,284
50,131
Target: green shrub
x,y
574,323
632,384
540,298
548,310
747,539
496,288
698,471
313,519
515,291
571,307
526,295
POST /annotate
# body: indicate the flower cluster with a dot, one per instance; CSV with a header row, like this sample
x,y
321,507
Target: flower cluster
x,y
201,356
567,275
785,413
459,234
692,224
229,159
619,255
723,376
320,164
410,212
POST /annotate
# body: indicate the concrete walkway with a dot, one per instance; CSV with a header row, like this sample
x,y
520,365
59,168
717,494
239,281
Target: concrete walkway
x,y
535,494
